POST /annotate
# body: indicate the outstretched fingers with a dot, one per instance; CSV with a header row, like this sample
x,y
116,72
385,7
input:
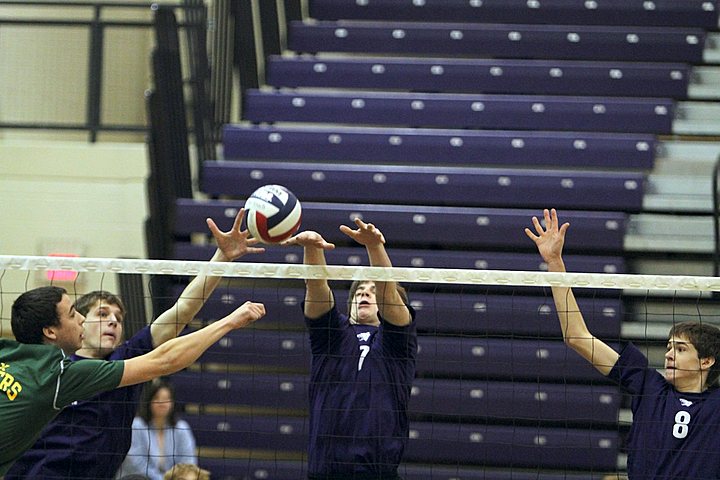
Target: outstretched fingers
x,y
365,234
238,220
308,238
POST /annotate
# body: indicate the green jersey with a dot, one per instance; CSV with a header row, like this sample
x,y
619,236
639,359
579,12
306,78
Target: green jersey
x,y
36,382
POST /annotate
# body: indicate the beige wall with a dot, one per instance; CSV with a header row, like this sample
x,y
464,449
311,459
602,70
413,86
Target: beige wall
x,y
44,77
59,193
69,197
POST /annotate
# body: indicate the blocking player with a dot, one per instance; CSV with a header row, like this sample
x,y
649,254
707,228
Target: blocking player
x,y
89,439
363,365
675,413
39,380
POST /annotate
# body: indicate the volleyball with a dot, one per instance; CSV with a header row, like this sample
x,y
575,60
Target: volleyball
x,y
273,214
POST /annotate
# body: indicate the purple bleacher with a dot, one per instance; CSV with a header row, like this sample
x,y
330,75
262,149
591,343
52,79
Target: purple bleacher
x,y
467,357
446,186
274,433
275,469
519,112
507,446
481,357
467,312
443,472
465,399
521,401
253,468
513,446
283,304
525,77
575,42
439,312
423,225
440,147
420,259
272,391
258,348
680,13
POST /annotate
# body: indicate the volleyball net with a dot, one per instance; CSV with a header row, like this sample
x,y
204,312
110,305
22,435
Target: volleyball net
x,y
497,394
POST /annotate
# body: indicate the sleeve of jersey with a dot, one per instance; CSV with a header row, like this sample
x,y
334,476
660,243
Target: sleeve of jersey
x,y
631,370
326,332
84,379
140,344
401,342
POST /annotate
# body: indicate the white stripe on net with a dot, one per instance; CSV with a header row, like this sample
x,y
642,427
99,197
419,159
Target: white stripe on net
x,y
335,272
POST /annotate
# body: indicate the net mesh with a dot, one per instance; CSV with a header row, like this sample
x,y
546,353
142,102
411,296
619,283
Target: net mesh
x,y
496,393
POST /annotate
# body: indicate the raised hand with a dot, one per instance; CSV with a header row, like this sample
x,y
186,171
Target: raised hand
x,y
551,239
366,234
307,239
235,242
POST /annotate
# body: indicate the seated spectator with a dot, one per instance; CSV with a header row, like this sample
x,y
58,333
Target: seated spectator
x,y
159,439
186,471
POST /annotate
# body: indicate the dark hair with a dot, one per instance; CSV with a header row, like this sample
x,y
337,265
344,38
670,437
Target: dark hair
x,y
149,392
84,303
706,340
33,311
356,284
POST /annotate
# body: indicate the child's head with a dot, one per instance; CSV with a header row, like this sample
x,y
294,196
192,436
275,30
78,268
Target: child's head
x,y
186,471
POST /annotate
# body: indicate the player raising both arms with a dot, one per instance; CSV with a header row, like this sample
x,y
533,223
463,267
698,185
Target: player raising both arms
x,y
363,365
674,434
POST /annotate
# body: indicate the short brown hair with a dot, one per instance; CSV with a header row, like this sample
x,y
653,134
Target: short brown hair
x,y
84,303
706,340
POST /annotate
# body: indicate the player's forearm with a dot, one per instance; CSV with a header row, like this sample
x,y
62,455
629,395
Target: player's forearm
x,y
191,300
575,331
390,303
198,290
572,322
318,296
173,355
181,352
571,319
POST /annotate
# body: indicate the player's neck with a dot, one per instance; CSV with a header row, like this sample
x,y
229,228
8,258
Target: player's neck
x,y
691,385
94,353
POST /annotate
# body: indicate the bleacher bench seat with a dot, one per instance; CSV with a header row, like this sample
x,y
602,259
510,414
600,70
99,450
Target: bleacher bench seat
x,y
496,112
679,13
440,147
557,42
600,232
500,76
430,185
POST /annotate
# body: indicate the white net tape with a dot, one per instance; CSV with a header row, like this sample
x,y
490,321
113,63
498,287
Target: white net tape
x,y
333,272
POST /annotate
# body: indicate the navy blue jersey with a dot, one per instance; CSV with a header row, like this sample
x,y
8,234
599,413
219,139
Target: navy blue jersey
x,y
88,439
359,391
674,435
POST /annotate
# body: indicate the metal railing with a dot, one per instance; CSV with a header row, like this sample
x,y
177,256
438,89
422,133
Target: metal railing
x,y
97,25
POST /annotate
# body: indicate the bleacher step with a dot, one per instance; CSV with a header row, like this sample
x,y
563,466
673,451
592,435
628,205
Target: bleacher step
x,y
669,233
697,118
705,83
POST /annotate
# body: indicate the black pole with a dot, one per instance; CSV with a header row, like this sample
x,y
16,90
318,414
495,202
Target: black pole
x,y
716,219
95,70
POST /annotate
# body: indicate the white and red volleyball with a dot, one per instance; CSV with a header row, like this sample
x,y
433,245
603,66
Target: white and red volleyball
x,y
273,213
